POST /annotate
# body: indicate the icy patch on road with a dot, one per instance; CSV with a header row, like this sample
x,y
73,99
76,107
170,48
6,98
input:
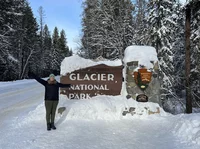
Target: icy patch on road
x,y
188,128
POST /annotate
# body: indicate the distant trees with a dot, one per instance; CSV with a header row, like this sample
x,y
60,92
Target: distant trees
x,y
25,45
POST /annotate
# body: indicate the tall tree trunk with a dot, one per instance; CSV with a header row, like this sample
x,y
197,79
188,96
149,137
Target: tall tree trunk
x,y
187,61
26,63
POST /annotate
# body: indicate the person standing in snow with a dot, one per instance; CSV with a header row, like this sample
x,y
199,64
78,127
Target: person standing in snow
x,y
51,97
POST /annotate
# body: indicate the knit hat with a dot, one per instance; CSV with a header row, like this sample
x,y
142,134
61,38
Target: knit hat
x,y
52,75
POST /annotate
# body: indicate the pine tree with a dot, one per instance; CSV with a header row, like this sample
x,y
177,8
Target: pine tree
x,y
118,26
11,14
92,38
63,48
5,29
41,63
107,28
47,47
29,41
195,54
70,52
41,25
160,26
55,65
178,48
21,48
139,23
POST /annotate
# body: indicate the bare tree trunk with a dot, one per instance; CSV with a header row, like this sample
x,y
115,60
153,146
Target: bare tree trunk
x,y
25,65
188,61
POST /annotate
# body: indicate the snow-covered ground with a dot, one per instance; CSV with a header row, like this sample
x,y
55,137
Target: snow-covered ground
x,y
89,124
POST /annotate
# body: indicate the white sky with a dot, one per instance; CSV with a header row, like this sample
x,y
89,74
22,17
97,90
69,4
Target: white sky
x,y
183,1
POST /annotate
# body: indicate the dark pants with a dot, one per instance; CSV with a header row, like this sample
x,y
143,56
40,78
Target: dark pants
x,y
50,110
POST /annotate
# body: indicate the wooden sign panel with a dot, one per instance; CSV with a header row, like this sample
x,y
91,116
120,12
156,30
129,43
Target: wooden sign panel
x,y
92,81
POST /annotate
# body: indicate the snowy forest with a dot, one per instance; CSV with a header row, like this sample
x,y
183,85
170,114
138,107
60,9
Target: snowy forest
x,y
109,26
26,42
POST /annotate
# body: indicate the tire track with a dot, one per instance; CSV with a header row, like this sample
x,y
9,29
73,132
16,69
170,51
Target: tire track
x,y
21,107
23,104
19,91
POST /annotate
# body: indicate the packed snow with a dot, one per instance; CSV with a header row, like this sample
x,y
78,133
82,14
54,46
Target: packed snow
x,y
108,108
80,63
143,54
188,128
89,124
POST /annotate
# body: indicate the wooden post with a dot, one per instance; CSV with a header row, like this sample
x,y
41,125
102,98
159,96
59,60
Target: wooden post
x,y
188,61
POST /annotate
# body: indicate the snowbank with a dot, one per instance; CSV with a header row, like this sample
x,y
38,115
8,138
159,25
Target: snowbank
x,y
70,64
143,54
107,108
34,116
188,128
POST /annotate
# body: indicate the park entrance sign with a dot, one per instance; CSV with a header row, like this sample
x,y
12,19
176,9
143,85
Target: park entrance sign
x,y
92,81
140,72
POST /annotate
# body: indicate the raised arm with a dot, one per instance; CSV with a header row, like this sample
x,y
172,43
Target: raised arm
x,y
63,85
32,75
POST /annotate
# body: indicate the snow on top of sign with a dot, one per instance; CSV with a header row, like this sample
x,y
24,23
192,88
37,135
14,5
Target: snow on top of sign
x,y
143,54
75,62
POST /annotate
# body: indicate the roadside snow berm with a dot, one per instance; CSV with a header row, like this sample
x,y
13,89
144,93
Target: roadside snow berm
x,y
108,108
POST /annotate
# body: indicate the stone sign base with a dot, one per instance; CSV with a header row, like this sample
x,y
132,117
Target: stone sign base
x,y
153,89
132,111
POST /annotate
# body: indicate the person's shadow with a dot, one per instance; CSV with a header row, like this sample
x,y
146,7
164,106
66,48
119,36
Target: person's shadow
x,y
63,111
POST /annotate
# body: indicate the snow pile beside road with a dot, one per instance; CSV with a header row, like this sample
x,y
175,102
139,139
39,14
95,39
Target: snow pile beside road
x,y
188,128
34,116
108,108
75,62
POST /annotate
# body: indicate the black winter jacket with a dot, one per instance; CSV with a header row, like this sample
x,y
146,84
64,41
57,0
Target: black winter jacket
x,y
51,89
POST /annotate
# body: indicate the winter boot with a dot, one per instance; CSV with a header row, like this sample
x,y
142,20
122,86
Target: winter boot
x,y
53,126
48,127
